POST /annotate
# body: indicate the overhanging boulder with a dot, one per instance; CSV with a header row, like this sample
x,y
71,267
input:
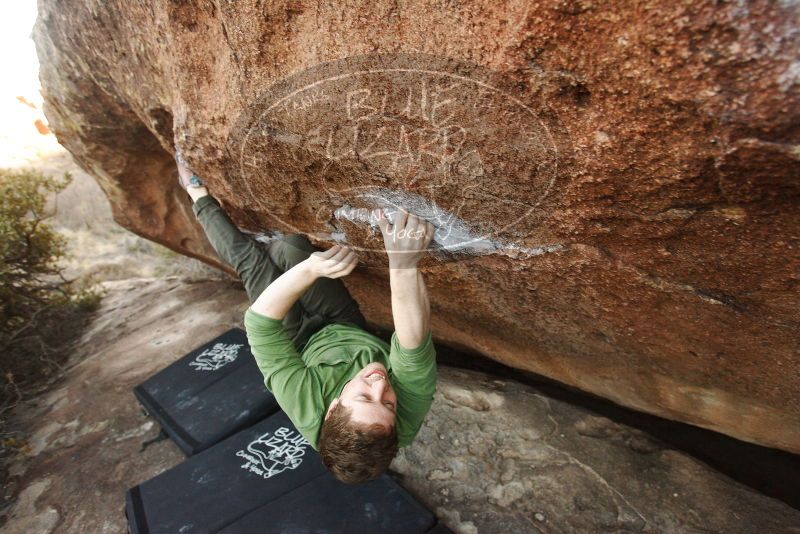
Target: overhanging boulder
x,y
617,188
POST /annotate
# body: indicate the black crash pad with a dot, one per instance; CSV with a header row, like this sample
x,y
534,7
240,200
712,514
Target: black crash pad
x,y
265,479
209,394
213,488
325,505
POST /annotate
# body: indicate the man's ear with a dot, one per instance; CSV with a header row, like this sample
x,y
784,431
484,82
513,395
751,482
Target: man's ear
x,y
334,403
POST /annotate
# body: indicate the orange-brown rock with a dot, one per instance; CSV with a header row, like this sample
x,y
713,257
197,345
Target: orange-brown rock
x,y
616,185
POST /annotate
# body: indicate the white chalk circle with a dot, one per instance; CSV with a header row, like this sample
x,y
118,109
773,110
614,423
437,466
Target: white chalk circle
x,y
432,135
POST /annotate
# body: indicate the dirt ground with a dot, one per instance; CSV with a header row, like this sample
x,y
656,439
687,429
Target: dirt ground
x,y
84,436
98,251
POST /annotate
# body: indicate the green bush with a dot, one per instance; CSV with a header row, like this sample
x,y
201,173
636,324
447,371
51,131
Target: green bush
x,y
41,312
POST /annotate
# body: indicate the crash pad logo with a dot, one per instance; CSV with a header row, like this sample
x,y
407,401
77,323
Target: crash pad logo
x,y
444,139
274,453
218,356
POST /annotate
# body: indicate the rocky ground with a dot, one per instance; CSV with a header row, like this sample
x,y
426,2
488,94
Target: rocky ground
x,y
500,456
493,456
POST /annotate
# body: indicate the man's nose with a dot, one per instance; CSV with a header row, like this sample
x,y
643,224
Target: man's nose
x,y
379,387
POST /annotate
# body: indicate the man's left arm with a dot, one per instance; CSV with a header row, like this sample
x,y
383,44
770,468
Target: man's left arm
x,y
279,297
285,374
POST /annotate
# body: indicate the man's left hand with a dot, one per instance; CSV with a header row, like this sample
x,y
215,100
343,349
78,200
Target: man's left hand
x,y
336,262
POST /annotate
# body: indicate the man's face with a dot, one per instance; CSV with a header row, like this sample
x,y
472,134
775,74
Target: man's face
x,y
370,396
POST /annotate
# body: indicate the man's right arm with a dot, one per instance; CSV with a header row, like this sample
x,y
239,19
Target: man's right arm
x,y
406,242
412,355
411,309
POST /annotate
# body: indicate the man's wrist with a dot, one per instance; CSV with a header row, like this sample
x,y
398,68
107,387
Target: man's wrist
x,y
307,271
403,280
396,269
402,261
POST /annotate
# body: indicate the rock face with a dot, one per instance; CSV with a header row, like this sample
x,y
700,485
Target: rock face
x,y
493,456
615,187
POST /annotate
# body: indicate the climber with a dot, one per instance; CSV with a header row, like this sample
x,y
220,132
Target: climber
x,y
353,396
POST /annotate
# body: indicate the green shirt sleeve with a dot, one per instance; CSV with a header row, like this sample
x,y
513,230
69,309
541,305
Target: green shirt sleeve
x,y
414,382
295,386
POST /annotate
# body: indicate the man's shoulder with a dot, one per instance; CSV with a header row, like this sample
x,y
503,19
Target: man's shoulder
x,y
305,409
311,432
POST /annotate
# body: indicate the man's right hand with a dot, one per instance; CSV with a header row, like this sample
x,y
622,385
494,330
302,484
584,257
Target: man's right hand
x,y
406,240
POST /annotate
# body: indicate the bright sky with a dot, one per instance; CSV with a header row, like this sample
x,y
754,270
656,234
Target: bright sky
x,y
20,142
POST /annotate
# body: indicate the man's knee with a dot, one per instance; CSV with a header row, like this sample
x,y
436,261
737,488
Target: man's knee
x,y
291,250
299,241
246,260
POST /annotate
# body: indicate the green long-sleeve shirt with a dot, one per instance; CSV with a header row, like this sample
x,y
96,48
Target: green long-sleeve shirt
x,y
304,385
